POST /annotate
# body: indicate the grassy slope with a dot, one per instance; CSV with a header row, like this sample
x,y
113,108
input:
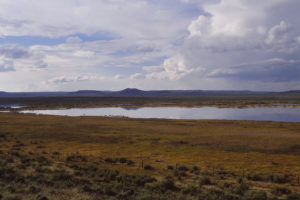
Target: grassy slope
x,y
257,148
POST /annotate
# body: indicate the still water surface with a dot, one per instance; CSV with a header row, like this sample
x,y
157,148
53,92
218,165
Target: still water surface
x,y
285,114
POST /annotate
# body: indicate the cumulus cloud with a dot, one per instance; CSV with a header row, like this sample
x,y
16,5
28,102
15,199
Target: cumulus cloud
x,y
174,68
199,44
237,39
140,33
103,55
6,65
281,37
137,76
21,58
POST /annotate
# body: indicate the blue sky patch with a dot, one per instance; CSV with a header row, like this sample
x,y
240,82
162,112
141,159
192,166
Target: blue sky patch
x,y
40,40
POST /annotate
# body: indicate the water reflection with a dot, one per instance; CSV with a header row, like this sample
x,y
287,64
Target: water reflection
x,y
259,113
131,108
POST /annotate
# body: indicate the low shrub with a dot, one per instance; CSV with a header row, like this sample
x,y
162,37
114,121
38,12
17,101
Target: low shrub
x,y
279,191
109,160
195,170
241,188
163,186
212,194
182,174
183,168
55,153
76,157
168,183
62,176
109,191
148,167
130,162
86,189
170,167
255,177
126,194
227,185
34,189
43,160
42,197
293,196
281,179
204,180
255,195
14,197
190,190
122,160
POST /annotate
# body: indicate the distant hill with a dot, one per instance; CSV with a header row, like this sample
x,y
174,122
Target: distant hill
x,y
293,91
133,92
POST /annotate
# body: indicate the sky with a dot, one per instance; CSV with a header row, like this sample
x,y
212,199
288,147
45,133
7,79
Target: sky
x,y
69,45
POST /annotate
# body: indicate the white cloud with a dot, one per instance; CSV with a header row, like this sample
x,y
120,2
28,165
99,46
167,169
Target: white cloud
x,y
237,37
118,77
83,54
69,79
134,18
199,44
153,68
6,65
20,58
173,68
143,32
137,76
281,38
200,27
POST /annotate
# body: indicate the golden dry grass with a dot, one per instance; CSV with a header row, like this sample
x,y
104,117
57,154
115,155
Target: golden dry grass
x,y
261,147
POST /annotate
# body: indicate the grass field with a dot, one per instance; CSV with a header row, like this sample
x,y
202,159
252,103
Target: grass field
x,y
162,159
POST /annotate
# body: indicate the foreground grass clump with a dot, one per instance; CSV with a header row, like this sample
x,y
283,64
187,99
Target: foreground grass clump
x,y
62,179
50,157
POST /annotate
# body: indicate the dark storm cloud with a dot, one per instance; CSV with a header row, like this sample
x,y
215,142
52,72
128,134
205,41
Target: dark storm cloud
x,y
272,71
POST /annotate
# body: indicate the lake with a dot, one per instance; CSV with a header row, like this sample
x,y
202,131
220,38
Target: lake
x,y
284,114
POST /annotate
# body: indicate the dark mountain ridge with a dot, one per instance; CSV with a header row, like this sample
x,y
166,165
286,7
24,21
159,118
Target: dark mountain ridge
x,y
136,93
